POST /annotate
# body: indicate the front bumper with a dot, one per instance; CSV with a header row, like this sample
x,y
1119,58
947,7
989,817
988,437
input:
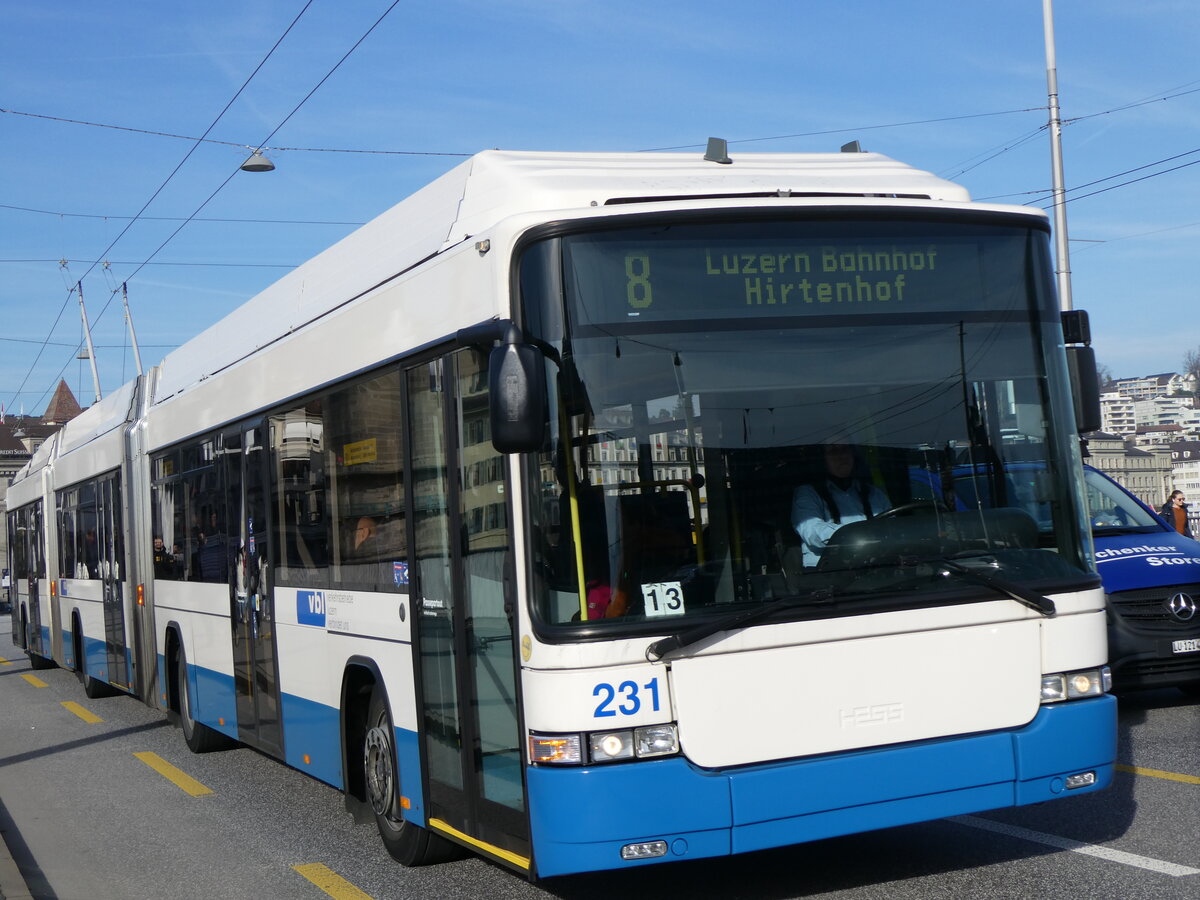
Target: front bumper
x,y
581,817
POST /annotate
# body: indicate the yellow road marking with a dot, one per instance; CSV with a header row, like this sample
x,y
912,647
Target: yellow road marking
x,y
331,882
180,779
1159,773
34,680
5,662
86,714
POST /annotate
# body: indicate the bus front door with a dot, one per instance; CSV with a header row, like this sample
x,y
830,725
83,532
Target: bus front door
x,y
470,736
252,608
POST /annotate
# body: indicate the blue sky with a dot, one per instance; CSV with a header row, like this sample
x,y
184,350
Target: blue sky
x,y
458,76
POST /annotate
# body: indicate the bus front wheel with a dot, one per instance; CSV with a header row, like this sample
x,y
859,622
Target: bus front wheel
x,y
407,842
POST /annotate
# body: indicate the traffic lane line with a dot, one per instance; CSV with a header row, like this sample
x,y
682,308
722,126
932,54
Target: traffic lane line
x,y
1159,773
86,714
1053,840
330,882
34,680
5,662
177,777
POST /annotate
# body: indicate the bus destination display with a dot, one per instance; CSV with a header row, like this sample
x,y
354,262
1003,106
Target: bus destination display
x,y
677,279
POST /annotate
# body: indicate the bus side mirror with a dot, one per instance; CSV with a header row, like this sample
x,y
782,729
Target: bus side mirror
x,y
1085,388
517,386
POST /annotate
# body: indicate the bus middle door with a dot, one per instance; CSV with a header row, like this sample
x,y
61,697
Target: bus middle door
x,y
251,598
111,571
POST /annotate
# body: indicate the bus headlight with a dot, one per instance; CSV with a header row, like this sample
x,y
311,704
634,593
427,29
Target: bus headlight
x,y
646,742
656,740
608,746
1076,685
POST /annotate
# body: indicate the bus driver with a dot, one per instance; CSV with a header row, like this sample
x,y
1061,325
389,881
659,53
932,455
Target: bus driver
x,y
835,499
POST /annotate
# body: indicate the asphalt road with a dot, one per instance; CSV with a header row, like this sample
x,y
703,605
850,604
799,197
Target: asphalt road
x,y
87,816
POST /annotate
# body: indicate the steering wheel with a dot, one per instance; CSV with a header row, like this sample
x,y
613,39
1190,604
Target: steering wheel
x,y
914,506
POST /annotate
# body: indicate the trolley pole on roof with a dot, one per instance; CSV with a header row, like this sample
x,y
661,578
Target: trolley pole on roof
x,y
87,333
1062,256
137,357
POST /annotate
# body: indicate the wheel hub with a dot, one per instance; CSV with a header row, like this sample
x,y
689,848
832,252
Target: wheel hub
x,y
381,778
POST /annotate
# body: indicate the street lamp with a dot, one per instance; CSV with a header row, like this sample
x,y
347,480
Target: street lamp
x,y
256,162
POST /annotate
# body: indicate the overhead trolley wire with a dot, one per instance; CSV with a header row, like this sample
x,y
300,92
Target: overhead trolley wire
x,y
208,140
160,189
121,262
274,131
1113,187
780,137
50,212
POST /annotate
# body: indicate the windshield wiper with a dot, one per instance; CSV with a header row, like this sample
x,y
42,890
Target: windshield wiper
x,y
740,619
743,618
1024,596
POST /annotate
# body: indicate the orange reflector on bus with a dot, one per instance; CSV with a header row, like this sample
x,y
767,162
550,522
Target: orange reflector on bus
x,y
141,595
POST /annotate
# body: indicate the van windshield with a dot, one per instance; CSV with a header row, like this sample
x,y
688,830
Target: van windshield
x,y
1112,509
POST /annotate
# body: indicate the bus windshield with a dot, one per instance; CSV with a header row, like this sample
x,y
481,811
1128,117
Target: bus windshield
x,y
743,411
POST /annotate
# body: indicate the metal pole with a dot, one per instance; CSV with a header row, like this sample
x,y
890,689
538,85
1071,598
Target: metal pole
x,y
87,333
137,357
1062,264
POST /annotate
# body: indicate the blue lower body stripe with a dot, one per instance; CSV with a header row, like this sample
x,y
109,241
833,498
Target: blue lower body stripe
x,y
310,729
702,813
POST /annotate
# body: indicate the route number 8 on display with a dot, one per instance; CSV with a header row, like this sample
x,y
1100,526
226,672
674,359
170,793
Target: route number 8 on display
x,y
637,286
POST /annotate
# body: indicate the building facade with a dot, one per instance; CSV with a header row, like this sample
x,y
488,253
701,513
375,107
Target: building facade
x,y
1145,473
20,437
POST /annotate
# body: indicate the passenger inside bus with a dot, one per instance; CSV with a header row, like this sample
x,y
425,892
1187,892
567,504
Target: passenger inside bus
x,y
212,559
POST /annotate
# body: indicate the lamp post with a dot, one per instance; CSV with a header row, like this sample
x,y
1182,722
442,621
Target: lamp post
x,y
1062,256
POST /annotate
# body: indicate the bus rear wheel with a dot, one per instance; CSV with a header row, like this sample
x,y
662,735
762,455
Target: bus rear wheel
x,y
35,661
408,843
198,736
93,688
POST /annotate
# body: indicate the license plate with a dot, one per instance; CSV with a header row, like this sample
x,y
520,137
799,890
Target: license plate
x,y
1191,645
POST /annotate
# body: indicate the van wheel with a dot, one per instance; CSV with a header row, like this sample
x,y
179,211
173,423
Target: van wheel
x,y
408,843
198,736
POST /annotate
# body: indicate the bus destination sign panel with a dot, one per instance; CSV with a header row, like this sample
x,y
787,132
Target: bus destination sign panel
x,y
673,279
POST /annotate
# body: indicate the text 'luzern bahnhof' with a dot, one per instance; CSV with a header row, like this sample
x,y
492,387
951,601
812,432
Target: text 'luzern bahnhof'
x,y
758,271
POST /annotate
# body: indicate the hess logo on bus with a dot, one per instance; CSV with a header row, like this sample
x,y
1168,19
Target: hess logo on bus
x,y
879,714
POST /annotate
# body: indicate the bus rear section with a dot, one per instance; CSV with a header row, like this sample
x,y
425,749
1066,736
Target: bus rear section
x,y
747,628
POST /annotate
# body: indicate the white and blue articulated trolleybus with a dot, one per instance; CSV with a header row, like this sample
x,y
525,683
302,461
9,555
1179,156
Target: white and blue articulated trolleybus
x,y
487,514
